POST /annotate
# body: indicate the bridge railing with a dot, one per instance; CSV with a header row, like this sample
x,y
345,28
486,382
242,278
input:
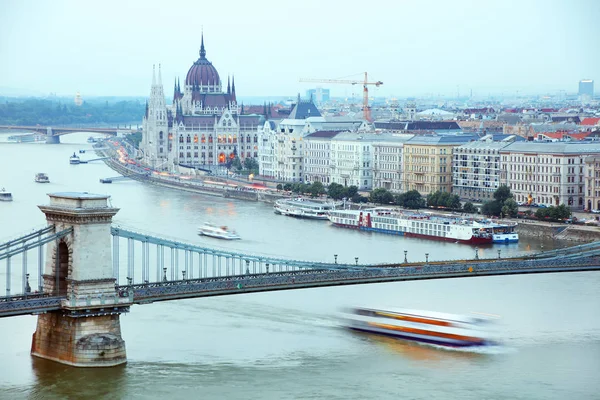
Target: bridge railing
x,y
307,278
19,268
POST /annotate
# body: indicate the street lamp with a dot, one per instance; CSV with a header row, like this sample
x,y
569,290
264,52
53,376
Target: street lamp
x,y
477,253
335,257
267,265
499,253
426,258
247,267
183,273
164,274
405,251
356,259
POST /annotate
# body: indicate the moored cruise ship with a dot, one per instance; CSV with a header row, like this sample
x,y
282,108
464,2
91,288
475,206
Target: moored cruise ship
x,y
303,208
435,328
421,225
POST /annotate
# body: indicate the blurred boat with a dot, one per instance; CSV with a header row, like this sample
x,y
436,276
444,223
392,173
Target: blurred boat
x,y
74,159
435,328
219,232
5,196
42,178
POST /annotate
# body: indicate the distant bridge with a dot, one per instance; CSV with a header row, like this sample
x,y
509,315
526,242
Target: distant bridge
x,y
53,133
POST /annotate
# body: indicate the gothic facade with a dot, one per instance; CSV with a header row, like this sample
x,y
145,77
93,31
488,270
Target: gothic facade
x,y
204,125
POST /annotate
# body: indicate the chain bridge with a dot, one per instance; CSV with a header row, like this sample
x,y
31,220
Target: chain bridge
x,y
80,272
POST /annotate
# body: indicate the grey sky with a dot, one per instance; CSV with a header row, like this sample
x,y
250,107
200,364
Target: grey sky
x,y
414,47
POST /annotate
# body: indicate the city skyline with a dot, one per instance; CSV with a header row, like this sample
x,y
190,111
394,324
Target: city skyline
x,y
431,48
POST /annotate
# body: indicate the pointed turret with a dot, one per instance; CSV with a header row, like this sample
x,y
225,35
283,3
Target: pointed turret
x,y
153,74
159,76
202,50
146,109
228,86
233,88
175,91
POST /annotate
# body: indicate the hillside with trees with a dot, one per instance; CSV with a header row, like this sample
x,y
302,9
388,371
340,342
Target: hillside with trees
x,y
60,112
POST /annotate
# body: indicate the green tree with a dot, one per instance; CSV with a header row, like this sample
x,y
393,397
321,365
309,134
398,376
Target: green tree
x,y
279,186
502,194
453,202
411,199
287,187
510,208
351,191
336,191
381,196
491,208
469,208
433,199
236,163
250,164
316,189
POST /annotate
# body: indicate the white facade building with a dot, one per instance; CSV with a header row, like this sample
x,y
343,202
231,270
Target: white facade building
x,y
317,156
547,173
280,152
387,161
352,159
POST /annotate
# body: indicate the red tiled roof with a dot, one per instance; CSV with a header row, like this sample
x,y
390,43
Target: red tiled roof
x,y
590,121
561,135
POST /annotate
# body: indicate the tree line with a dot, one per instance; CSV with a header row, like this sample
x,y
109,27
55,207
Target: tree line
x,y
55,112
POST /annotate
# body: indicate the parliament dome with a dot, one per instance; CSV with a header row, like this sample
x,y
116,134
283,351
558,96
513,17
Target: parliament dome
x,y
202,72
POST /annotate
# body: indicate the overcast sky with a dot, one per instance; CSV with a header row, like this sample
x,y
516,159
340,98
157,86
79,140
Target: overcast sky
x,y
415,47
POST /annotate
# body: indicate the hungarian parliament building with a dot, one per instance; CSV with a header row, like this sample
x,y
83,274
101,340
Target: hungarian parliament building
x,y
203,126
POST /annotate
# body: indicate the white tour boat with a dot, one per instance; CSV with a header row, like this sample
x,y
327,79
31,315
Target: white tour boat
x,y
42,178
5,196
425,225
74,159
442,329
303,208
219,232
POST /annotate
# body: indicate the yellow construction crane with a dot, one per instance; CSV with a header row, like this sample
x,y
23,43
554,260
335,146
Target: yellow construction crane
x,y
365,83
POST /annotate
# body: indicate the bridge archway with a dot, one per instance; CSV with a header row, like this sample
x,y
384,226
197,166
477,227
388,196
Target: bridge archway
x,y
63,269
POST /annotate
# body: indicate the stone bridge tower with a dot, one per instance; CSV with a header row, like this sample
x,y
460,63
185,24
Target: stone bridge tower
x,y
86,332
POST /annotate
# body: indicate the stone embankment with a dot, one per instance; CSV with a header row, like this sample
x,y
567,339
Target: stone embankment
x,y
548,230
219,187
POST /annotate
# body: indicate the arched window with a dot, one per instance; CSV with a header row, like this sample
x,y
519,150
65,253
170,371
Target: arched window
x,y
203,139
180,139
188,139
160,135
195,138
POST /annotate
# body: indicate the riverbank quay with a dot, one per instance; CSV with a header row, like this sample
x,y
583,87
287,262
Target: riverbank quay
x,y
208,185
235,189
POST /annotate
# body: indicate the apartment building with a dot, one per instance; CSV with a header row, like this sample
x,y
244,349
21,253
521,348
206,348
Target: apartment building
x,y
352,159
427,162
592,182
547,173
317,156
388,162
476,170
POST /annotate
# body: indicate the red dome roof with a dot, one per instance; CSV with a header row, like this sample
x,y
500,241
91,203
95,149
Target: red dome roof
x,y
202,71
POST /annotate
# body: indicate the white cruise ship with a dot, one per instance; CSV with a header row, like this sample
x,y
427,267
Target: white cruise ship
x,y
303,208
424,225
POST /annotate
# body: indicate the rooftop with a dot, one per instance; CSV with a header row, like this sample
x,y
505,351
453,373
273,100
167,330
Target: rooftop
x,y
554,147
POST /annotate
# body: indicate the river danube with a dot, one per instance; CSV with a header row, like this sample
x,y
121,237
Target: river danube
x,y
288,345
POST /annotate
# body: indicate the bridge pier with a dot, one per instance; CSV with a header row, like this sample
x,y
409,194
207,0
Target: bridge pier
x,y
86,331
51,138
